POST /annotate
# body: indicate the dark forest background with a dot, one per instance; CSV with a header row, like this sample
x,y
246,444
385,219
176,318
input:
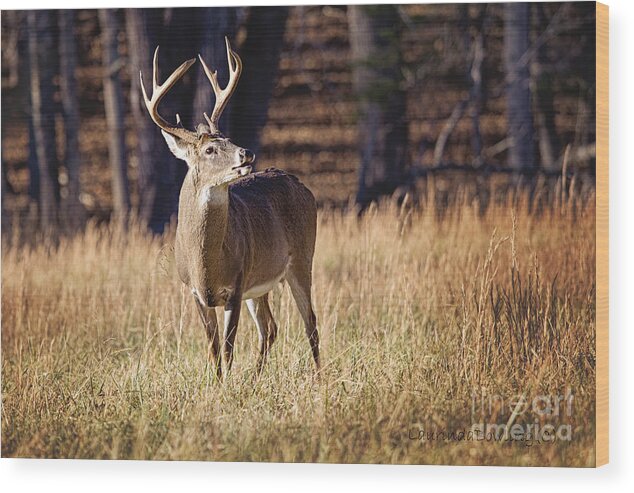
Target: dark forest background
x,y
360,102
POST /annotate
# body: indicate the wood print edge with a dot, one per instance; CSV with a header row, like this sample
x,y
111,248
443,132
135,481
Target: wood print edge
x,y
602,235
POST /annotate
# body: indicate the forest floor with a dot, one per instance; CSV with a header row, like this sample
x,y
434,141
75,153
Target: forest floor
x,y
429,326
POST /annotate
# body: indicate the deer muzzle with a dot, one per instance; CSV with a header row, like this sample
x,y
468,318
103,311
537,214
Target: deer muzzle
x,y
246,156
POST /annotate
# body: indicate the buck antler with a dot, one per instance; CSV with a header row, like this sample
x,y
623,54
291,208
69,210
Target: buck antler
x,y
159,91
222,95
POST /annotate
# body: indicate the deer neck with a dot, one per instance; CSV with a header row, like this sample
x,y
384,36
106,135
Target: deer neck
x,y
203,218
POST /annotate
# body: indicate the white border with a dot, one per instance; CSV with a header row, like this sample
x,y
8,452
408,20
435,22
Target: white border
x,y
109,476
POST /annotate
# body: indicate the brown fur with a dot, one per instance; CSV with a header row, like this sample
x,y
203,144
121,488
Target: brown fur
x,y
254,230
268,217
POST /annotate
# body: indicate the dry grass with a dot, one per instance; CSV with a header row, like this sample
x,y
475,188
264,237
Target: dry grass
x,y
103,355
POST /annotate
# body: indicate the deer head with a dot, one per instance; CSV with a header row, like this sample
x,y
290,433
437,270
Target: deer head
x,y
214,159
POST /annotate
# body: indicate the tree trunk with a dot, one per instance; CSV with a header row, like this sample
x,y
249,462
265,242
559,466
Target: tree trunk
x,y
216,24
23,98
518,97
34,169
177,31
148,136
543,98
378,82
260,53
42,70
113,99
475,84
70,104
10,89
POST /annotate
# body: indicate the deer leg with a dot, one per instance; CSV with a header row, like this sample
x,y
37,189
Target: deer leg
x,y
300,281
272,333
267,330
210,323
232,316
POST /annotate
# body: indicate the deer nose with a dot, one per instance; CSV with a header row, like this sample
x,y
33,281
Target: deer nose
x,y
246,156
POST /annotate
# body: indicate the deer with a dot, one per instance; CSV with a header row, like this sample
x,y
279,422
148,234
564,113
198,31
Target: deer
x,y
239,233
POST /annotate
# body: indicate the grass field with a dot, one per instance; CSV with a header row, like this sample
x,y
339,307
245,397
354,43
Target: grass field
x,y
103,355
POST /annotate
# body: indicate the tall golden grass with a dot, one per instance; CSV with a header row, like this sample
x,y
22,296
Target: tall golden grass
x,y
103,355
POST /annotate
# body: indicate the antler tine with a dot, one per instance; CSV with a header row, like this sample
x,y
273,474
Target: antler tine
x,y
159,91
155,84
222,95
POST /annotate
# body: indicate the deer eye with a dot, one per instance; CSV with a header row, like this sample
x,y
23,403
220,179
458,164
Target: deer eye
x,y
210,150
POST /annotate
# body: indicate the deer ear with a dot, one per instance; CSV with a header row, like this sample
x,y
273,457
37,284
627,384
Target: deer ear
x,y
176,145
